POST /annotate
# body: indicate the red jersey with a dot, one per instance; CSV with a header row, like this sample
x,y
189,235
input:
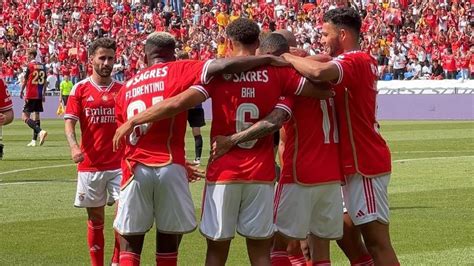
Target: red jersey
x,y
449,62
5,99
36,73
94,107
160,143
363,150
238,101
311,152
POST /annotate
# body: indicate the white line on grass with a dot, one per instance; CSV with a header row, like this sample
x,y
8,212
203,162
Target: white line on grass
x,y
432,151
35,168
431,158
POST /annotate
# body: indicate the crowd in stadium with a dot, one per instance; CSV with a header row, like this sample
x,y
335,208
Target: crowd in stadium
x,y
433,40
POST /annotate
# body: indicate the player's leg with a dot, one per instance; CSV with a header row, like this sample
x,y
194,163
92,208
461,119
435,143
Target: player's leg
x,y
259,251
352,245
196,121
91,194
219,219
290,201
174,212
26,117
1,142
197,144
367,205
135,214
217,252
255,221
42,134
95,234
167,249
326,221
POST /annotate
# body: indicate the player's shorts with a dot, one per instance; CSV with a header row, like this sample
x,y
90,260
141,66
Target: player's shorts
x,y
301,210
64,99
366,199
93,187
196,117
245,207
33,105
156,194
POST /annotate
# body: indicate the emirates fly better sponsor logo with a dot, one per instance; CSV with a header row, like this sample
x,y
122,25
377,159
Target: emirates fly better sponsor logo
x,y
100,115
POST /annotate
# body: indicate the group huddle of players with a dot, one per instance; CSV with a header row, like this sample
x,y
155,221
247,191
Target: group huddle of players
x,y
133,135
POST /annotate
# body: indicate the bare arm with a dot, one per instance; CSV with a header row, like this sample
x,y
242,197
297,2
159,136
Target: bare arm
x,y
70,131
271,123
162,110
313,70
241,63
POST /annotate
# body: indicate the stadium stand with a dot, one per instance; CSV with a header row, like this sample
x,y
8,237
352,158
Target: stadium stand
x,y
432,40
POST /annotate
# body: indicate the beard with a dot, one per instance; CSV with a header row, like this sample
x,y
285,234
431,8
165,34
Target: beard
x,y
103,72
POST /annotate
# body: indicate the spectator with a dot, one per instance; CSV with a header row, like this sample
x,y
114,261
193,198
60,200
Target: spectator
x,y
399,64
438,71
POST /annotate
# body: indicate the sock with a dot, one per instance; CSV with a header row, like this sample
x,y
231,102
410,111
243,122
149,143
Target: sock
x,y
297,259
167,259
322,263
35,134
116,254
198,145
95,239
32,124
365,260
280,258
129,258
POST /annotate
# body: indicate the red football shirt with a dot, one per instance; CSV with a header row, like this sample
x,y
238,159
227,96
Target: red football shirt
x,y
160,143
311,154
5,99
94,107
36,80
238,101
363,150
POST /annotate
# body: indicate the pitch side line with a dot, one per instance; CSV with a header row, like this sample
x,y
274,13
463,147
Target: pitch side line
x,y
431,158
36,168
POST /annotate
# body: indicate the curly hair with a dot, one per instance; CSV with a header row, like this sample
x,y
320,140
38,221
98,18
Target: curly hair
x,y
244,31
106,43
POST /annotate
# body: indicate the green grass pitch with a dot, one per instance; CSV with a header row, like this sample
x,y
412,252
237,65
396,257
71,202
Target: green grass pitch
x,y
430,192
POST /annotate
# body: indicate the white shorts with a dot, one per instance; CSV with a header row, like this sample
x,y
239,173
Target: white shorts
x,y
366,199
92,188
156,194
300,210
245,207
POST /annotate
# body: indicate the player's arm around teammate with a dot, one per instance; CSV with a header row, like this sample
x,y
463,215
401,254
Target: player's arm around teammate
x,y
190,98
365,156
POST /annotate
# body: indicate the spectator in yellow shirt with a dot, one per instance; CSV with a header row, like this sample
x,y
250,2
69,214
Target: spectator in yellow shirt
x,y
65,89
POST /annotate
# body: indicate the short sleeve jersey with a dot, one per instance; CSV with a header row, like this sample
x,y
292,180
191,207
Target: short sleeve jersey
x,y
311,153
363,149
36,80
162,142
238,101
94,107
5,99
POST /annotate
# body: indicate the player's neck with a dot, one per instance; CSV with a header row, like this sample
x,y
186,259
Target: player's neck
x,y
244,52
101,81
354,47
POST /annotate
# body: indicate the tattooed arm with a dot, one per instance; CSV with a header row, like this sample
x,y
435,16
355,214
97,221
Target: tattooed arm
x,y
264,127
70,130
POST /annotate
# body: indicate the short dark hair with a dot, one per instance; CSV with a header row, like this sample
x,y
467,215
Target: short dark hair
x,y
161,44
346,17
243,30
274,44
106,43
